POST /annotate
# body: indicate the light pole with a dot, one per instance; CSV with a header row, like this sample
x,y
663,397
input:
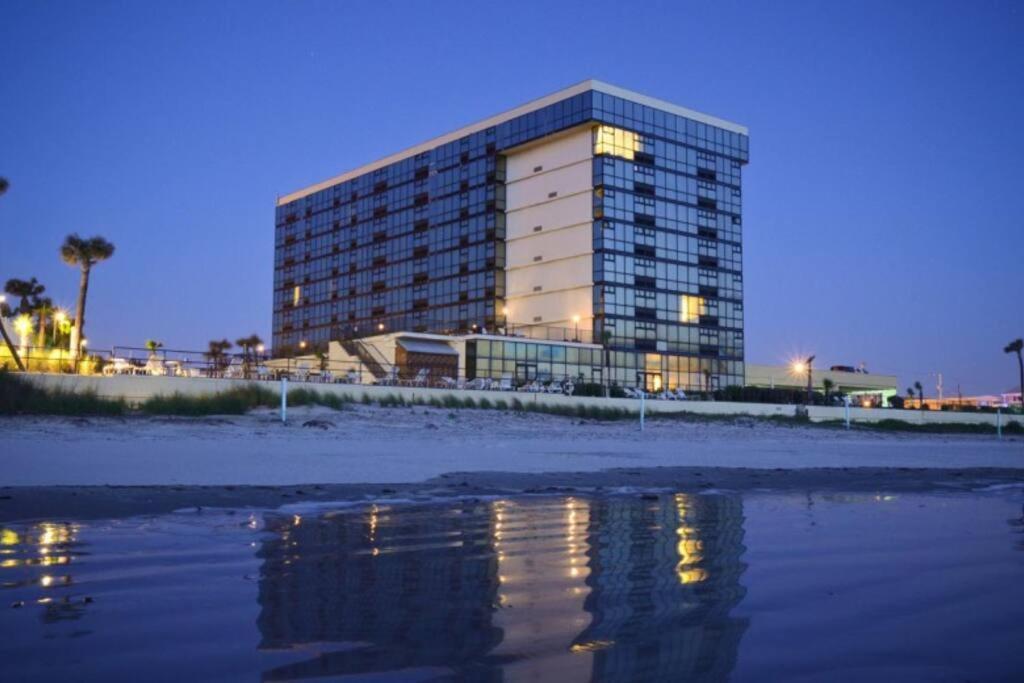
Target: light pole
x,y
810,379
23,326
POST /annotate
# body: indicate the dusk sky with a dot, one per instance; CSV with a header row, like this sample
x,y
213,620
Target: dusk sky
x,y
882,221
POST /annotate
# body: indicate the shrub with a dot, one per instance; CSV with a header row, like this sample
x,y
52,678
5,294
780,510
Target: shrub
x,y
21,397
234,401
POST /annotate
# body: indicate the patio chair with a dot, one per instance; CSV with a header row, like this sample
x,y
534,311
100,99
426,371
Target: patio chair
x,y
506,383
301,373
390,379
352,377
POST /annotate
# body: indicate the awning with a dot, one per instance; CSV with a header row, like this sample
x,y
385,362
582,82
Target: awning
x,y
424,346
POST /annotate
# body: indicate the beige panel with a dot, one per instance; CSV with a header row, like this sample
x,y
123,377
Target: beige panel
x,y
549,156
549,246
563,274
571,210
544,187
555,309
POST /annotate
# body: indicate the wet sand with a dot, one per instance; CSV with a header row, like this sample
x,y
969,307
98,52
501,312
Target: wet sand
x,y
100,502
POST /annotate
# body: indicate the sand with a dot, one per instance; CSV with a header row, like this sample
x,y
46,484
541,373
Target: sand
x,y
95,467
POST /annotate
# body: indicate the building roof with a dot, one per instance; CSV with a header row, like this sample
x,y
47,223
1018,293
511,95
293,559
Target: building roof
x,y
533,105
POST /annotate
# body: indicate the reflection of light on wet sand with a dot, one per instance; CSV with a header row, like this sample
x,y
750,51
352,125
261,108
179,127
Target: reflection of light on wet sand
x,y
542,585
48,539
689,547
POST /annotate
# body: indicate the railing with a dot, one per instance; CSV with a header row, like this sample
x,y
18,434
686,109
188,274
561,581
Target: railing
x,y
410,322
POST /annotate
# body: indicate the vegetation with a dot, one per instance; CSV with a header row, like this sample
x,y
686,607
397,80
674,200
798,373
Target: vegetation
x,y
235,401
83,253
217,353
1017,346
20,397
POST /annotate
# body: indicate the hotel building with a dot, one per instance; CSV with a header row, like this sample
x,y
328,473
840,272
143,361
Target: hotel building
x,y
594,232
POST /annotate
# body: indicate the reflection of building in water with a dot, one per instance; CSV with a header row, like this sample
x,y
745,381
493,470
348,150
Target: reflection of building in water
x,y
571,588
542,569
664,578
405,590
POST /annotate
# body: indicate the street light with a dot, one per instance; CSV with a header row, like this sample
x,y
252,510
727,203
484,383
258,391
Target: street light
x,y
23,326
808,365
576,321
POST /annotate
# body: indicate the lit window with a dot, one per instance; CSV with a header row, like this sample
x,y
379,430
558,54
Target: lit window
x,y
296,295
616,141
690,308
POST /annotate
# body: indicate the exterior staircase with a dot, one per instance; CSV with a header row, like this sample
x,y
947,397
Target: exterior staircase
x,y
369,355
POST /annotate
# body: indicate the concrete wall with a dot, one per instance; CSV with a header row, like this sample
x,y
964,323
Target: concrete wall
x,y
137,388
549,238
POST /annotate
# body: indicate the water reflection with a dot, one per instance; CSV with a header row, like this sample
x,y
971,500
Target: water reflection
x,y
613,588
38,555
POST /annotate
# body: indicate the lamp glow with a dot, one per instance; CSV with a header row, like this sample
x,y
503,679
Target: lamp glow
x,y
23,326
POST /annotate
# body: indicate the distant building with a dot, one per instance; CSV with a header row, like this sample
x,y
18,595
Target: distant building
x,y
860,385
593,220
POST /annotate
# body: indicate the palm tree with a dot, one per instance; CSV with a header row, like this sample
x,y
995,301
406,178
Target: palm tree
x,y
1015,347
43,309
910,394
26,290
5,312
827,385
920,395
152,345
84,253
216,352
248,345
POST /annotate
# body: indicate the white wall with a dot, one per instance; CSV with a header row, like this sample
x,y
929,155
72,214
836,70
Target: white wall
x,y
549,271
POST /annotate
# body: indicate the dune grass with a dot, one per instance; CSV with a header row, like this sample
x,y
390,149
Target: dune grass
x,y
18,397
238,401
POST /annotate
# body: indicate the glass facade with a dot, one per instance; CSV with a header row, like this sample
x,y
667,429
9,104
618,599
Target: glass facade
x,y
418,245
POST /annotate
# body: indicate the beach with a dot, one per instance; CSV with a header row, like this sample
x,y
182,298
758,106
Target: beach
x,y
96,467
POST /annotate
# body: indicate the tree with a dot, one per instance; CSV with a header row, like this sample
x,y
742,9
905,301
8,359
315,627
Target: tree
x,y
43,309
27,291
920,395
5,312
249,346
827,385
1015,347
216,353
84,253
153,346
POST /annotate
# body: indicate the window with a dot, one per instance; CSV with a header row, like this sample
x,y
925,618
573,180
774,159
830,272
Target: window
x,y
690,308
616,142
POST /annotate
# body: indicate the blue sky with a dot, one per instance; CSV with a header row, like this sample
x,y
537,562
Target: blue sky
x,y
882,220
